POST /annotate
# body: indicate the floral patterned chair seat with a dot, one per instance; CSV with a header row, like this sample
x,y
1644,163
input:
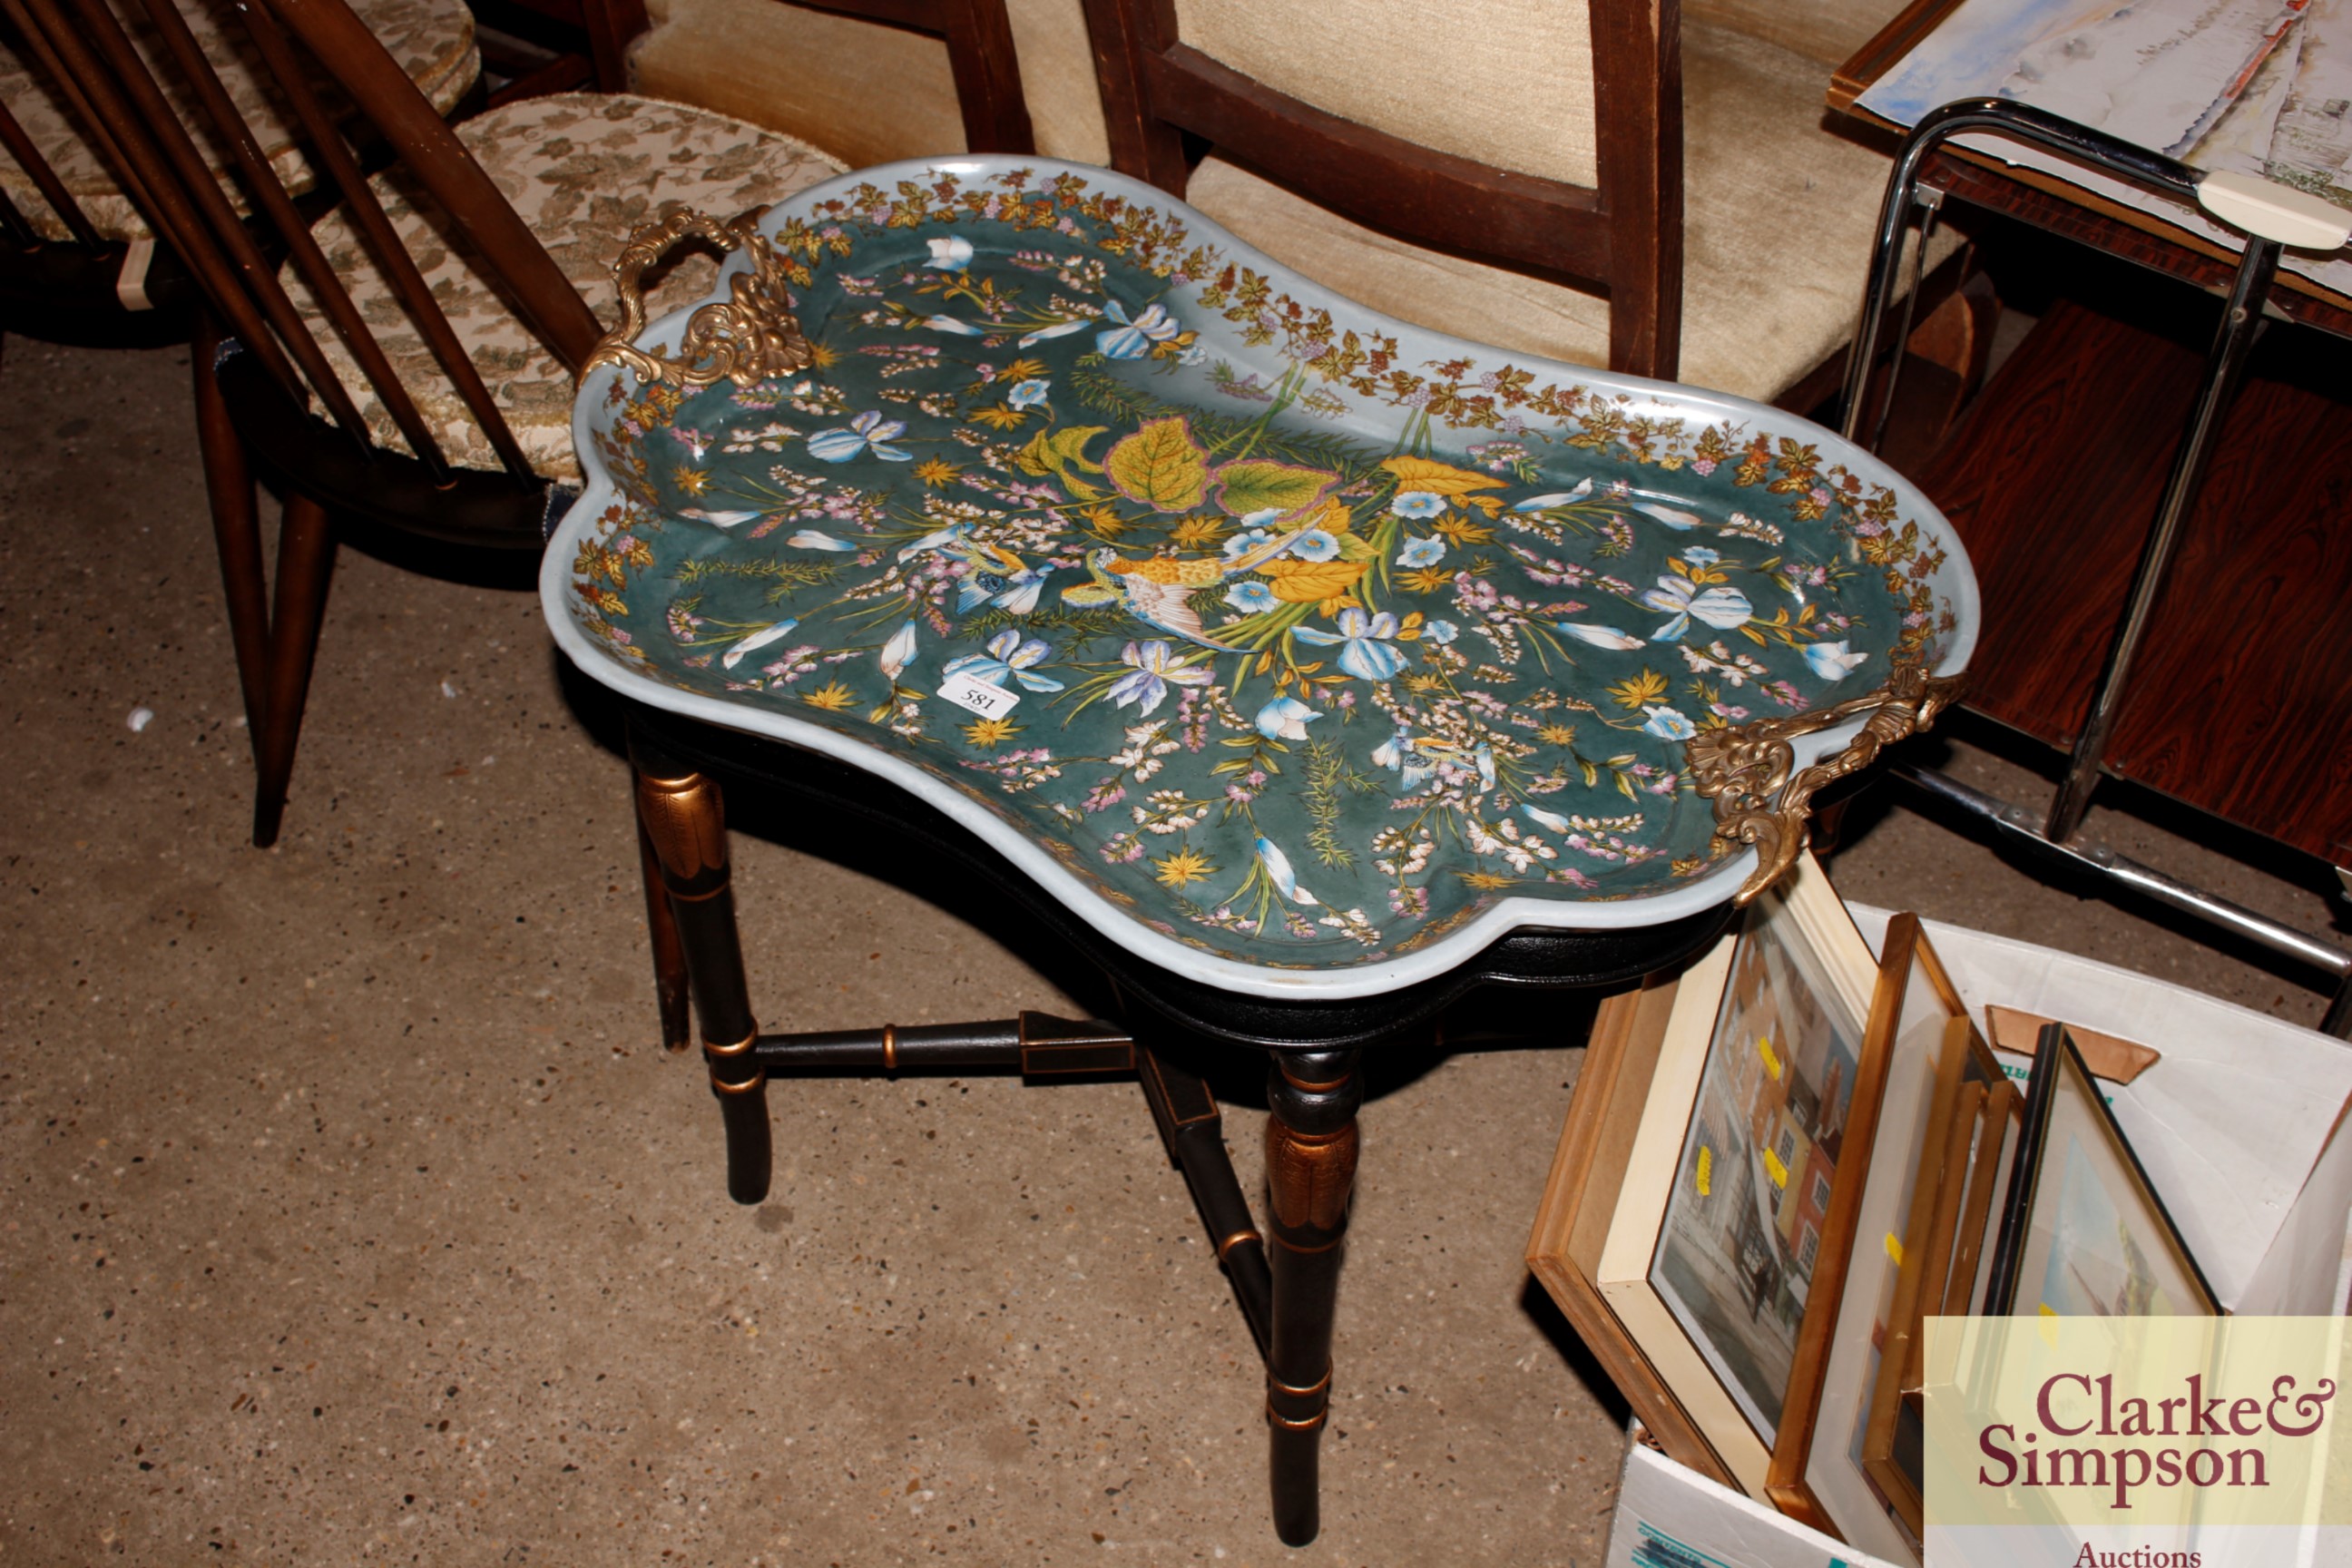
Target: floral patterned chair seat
x,y
583,170
432,39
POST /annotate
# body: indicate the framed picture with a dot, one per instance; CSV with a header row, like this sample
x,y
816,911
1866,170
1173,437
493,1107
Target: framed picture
x,y
2083,1233
1923,1176
1621,1058
1716,1243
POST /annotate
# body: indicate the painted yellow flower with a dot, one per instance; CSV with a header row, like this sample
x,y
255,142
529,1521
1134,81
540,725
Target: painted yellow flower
x,y
997,416
1427,579
822,357
1194,532
1462,530
691,480
937,472
1645,688
1424,682
1558,734
1182,869
1106,523
832,697
1486,882
990,734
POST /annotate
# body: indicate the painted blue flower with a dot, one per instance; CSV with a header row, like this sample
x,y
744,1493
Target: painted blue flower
x,y
1700,556
1363,642
1286,719
1557,497
1315,544
1667,725
1599,636
1249,539
1724,609
1251,596
952,255
1831,660
1277,868
840,444
758,639
950,324
813,539
1440,631
1028,393
1672,516
1422,552
1008,657
1155,666
1133,337
1418,504
1059,330
899,651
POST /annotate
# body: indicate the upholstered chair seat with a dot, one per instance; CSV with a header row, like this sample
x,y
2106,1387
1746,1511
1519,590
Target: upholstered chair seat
x,y
432,39
585,171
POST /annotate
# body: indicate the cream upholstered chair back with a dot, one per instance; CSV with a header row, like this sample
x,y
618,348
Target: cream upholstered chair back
x,y
1501,83
875,91
1545,139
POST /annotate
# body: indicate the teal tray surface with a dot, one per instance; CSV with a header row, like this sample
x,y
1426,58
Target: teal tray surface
x,y
1299,649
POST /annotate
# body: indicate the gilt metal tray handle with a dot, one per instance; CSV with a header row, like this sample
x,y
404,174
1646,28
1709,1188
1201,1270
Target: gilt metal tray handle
x,y
748,337
1762,798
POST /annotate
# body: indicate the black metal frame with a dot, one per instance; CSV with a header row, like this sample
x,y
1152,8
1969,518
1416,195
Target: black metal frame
x,y
2056,834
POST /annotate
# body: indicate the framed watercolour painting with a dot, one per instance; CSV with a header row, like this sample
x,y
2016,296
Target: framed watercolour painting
x,y
1711,1256
2084,1233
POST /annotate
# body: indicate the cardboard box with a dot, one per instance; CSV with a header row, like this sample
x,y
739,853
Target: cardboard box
x,y
2241,1127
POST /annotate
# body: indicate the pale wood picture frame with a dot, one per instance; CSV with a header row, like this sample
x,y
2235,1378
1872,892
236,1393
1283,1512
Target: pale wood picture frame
x,y
1805,916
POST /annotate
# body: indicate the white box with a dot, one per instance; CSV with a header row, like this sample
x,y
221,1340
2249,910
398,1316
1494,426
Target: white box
x,y
2238,1127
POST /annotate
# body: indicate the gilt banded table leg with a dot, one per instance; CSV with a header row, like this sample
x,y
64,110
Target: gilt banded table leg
x,y
685,823
1310,1169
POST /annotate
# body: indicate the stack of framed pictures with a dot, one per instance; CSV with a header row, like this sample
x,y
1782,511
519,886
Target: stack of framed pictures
x,y
1780,1161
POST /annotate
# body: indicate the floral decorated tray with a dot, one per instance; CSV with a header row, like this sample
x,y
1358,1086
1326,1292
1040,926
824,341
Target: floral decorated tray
x,y
1297,649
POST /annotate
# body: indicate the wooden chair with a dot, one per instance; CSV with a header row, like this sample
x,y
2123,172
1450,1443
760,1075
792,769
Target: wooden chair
x,y
411,363
78,262
1595,182
878,80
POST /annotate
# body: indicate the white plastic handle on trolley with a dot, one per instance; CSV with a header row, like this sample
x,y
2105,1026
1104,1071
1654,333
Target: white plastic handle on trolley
x,y
2294,219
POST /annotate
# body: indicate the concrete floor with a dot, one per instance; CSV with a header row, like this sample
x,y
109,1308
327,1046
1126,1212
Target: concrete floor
x,y
350,1213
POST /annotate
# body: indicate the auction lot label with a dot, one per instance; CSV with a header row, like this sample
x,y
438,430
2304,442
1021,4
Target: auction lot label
x,y
2132,1442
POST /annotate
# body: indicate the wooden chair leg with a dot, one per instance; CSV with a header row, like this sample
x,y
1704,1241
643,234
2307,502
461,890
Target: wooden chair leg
x,y
670,952
1310,1170
236,529
681,813
306,563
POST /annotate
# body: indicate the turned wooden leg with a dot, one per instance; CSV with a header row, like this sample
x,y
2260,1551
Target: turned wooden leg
x,y
1310,1169
236,529
306,563
670,983
681,813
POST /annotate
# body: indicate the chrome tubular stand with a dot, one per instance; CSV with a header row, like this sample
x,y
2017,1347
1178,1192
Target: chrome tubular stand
x,y
2057,834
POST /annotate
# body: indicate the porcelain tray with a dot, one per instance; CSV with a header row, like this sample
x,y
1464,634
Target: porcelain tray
x,y
1297,649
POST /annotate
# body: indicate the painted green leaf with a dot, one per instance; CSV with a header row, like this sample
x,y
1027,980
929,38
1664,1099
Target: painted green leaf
x,y
1056,452
1162,465
1253,484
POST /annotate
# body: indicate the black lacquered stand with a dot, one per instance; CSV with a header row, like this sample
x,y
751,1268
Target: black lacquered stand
x,y
1286,1277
